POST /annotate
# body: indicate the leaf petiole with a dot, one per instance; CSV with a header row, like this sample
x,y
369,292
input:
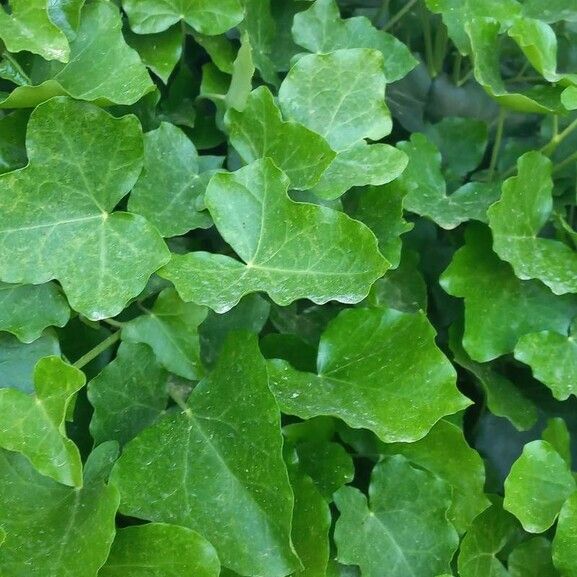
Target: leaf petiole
x,y
97,350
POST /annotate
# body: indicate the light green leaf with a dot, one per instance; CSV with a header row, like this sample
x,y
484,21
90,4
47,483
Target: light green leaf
x,y
55,214
557,435
340,95
457,13
217,468
34,425
360,165
569,98
565,541
406,506
484,35
291,250
538,484
426,189
28,27
320,29
159,52
18,359
171,330
220,49
160,550
552,11
532,559
553,360
206,16
102,67
445,453
128,395
503,398
500,308
377,369
260,131
26,310
491,532
169,188
53,530
516,220
242,73
66,15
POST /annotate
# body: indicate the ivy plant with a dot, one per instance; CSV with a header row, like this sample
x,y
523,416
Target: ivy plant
x,y
288,287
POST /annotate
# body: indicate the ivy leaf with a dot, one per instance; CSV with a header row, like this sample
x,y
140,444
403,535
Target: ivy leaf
x,y
102,67
320,29
491,532
55,214
242,72
558,436
405,504
159,52
171,330
128,395
160,549
34,425
426,189
197,468
553,359
12,141
26,310
360,165
369,376
206,16
18,359
540,470
516,220
445,453
28,27
260,131
565,541
553,11
66,15
48,525
532,558
169,188
340,95
291,250
499,308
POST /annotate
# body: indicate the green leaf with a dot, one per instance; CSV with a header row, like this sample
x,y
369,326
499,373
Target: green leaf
x,y
426,189
360,165
242,73
320,29
34,425
18,359
291,250
260,131
28,26
159,549
159,52
56,219
171,330
26,310
128,395
377,369
338,95
491,532
565,541
553,360
558,436
12,141
516,220
169,189
198,468
553,11
66,15
457,13
53,530
206,16
445,453
541,471
499,308
532,559
406,506
102,67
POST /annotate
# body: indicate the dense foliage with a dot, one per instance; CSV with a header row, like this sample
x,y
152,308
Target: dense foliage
x,y
288,287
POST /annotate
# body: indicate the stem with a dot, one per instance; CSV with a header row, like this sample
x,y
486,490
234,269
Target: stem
x,y
381,13
175,393
466,77
113,323
427,37
571,158
497,144
399,14
457,68
440,51
97,350
557,139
